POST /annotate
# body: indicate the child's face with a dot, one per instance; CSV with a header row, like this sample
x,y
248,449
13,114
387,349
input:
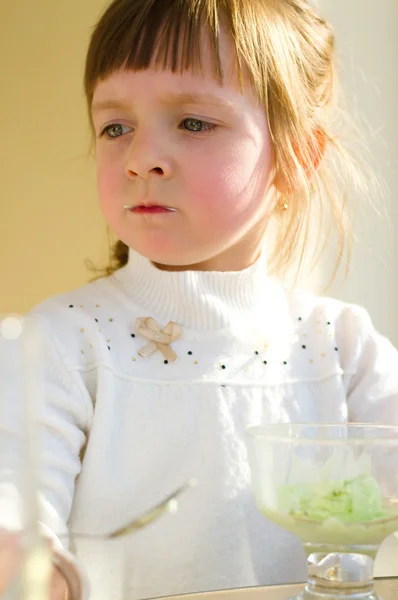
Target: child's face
x,y
218,180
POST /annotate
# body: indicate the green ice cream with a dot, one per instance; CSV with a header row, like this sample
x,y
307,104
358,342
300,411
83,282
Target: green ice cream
x,y
356,501
335,513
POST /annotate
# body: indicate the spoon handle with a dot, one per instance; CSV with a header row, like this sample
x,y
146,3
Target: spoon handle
x,y
167,505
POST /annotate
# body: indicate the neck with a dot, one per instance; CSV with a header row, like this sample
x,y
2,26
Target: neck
x,y
215,264
239,257
203,300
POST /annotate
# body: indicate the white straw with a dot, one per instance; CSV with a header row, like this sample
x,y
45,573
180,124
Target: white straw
x,y
37,565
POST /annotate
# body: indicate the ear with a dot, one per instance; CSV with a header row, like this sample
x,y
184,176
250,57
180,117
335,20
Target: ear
x,y
316,149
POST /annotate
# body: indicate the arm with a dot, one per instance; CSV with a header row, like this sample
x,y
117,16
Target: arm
x,y
64,421
372,388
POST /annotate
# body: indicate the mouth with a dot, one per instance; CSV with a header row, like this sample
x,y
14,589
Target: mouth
x,y
150,209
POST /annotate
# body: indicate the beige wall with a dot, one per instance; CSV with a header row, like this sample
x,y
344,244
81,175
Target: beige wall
x,y
49,220
367,34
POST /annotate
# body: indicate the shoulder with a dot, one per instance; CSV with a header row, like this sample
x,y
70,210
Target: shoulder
x,y
310,306
80,320
87,297
326,311
348,326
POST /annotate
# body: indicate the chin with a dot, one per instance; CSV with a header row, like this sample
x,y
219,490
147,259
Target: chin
x,y
167,256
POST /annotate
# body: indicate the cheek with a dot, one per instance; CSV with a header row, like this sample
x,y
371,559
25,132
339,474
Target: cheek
x,y
231,183
108,182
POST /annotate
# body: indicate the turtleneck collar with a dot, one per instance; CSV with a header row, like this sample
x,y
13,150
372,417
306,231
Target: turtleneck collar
x,y
203,300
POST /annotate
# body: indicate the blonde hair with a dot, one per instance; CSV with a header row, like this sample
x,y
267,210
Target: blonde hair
x,y
288,51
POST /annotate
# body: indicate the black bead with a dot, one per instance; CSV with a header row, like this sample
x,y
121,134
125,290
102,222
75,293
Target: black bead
x,y
222,385
190,353
70,305
284,362
257,352
223,367
109,347
96,320
166,362
300,319
265,362
304,347
336,349
329,323
133,335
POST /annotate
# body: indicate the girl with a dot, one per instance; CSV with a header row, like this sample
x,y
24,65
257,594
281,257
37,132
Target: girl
x,y
212,124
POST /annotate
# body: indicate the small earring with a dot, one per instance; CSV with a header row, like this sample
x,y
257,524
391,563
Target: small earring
x,y
284,205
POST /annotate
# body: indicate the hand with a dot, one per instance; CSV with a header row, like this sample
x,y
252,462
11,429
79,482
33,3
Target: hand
x,y
10,555
58,586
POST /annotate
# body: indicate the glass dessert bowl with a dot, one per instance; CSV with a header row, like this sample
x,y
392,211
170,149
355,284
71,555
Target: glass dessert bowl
x,y
335,486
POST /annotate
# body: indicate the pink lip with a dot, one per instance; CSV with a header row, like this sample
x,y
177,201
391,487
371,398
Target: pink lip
x,y
150,210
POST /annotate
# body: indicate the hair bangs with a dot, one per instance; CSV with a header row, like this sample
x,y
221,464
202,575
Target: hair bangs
x,y
165,33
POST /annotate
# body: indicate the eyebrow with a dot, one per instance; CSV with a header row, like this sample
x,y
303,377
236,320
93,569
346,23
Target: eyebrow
x,y
170,100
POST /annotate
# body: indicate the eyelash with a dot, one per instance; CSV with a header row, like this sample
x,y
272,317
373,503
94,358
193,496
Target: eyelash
x,y
210,127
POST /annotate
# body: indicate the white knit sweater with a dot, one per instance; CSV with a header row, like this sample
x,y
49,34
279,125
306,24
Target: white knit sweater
x,y
249,353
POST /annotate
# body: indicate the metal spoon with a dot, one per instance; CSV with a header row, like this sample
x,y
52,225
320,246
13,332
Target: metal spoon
x,y
167,505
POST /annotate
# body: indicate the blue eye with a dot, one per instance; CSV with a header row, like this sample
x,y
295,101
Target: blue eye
x,y
115,128
198,126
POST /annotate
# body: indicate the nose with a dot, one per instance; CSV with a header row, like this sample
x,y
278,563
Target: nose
x,y
147,158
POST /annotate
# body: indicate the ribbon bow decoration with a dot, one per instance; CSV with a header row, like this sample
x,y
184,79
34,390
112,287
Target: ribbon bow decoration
x,y
159,339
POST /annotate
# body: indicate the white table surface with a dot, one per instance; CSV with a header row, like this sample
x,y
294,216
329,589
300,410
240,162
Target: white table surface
x,y
387,588
386,570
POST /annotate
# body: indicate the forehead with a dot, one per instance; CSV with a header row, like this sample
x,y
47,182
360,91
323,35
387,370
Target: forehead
x,y
198,81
